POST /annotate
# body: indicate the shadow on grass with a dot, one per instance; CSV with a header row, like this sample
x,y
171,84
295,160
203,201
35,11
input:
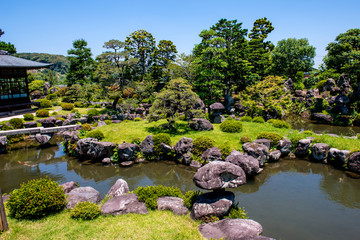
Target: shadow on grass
x,y
178,129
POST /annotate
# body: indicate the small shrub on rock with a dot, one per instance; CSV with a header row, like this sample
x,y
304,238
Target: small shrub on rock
x,y
225,150
201,144
190,197
28,117
231,126
272,136
237,212
91,113
245,139
136,141
86,127
209,219
95,134
280,124
258,120
246,119
85,211
16,123
45,103
36,199
67,106
161,138
42,113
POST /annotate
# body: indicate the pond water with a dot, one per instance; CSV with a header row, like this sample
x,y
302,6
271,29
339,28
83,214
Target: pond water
x,y
292,199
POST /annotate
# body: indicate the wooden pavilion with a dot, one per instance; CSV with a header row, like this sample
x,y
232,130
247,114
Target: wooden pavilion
x,y
14,90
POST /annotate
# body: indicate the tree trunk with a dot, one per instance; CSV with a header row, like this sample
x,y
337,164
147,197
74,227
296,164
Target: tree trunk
x,y
3,221
115,102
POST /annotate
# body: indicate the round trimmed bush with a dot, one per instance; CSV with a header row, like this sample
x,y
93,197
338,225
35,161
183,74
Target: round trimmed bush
x,y
108,122
16,123
201,144
86,127
36,199
85,211
42,113
272,136
231,126
246,119
67,106
79,104
28,117
95,134
280,124
137,119
258,119
45,103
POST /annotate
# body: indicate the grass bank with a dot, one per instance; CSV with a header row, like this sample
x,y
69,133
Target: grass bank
x,y
155,225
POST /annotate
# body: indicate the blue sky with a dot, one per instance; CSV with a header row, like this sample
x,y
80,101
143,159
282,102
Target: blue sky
x,y
52,26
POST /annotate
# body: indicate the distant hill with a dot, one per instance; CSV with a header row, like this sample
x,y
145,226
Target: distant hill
x,y
60,63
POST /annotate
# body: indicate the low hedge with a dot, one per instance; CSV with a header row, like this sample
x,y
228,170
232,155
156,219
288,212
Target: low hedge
x,y
231,126
42,113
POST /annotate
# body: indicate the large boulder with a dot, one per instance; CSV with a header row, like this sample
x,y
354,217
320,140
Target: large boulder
x,y
232,229
127,152
83,146
71,137
249,164
322,118
174,204
200,124
219,175
69,186
329,85
302,148
47,122
263,141
216,107
211,154
344,83
338,157
43,138
258,151
212,204
100,150
124,204
119,188
284,146
354,162
147,146
30,124
319,152
82,194
183,149
3,143
274,156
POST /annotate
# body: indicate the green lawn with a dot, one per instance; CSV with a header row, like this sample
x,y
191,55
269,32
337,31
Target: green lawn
x,y
155,225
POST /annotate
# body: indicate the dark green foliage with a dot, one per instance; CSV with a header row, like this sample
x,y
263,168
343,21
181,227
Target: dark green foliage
x,y
95,134
36,85
201,144
85,211
245,139
231,126
28,117
67,106
42,113
150,194
237,212
161,138
9,47
45,103
356,120
79,104
246,119
52,96
272,136
91,113
190,197
36,199
60,63
280,124
258,119
16,123
320,85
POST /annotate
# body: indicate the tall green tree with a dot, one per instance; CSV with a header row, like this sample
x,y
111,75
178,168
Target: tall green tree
x,y
344,54
82,66
259,49
10,48
183,67
291,56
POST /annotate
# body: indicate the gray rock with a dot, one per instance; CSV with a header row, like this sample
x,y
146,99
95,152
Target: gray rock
x,y
127,152
43,138
219,119
322,118
124,204
68,186
258,151
263,141
216,107
302,148
166,149
100,150
211,154
319,152
71,115
30,124
83,146
3,143
71,121
59,123
354,162
232,229
284,146
82,120
195,164
183,149
274,156
101,123
147,146
119,188
82,194
338,157
103,117
219,175
200,124
126,163
329,85
249,164
174,204
116,121
47,122
106,161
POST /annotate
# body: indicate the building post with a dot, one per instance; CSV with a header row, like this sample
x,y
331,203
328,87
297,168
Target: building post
x,y
3,221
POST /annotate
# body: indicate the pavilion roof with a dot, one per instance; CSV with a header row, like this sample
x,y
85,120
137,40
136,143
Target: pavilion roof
x,y
8,61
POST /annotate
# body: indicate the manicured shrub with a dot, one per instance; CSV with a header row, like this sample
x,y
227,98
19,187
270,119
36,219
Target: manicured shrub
x,y
28,117
45,103
201,144
66,99
245,139
296,138
95,134
308,133
137,119
42,113
272,136
85,211
161,138
246,119
36,199
52,96
67,106
79,104
86,127
91,113
231,126
108,122
258,120
150,194
271,120
280,124
16,123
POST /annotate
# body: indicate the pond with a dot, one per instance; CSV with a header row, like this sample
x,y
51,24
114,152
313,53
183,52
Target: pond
x,y
292,199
